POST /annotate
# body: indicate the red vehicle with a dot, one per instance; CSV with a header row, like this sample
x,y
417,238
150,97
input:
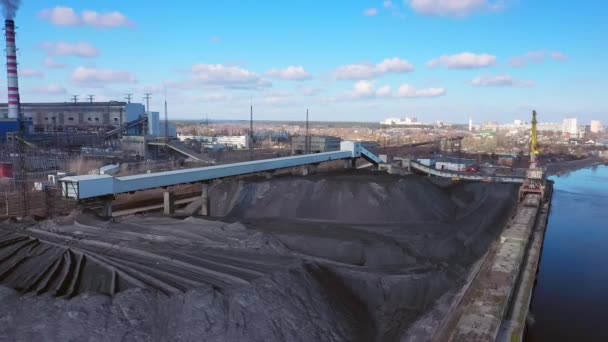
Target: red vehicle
x,y
471,169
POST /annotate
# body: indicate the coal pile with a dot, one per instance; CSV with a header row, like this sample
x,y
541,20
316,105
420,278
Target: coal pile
x,y
341,257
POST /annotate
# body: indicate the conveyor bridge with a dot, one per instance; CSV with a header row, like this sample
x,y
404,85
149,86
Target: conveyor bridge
x,y
462,175
100,186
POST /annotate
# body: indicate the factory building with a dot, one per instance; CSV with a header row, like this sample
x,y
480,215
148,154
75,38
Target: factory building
x,y
233,141
316,144
77,116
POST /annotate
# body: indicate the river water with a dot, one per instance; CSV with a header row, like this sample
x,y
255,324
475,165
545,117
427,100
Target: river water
x,y
570,300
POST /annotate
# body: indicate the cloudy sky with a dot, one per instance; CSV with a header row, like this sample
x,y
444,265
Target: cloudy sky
x,y
349,60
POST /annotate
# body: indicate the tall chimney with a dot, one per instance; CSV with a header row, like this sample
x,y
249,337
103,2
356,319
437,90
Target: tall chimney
x,y
14,104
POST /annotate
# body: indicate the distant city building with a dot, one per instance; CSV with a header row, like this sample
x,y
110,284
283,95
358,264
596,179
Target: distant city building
x,y
233,141
410,120
519,122
570,127
596,126
490,126
549,126
316,144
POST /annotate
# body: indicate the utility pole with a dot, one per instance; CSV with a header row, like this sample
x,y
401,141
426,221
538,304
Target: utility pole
x,y
91,98
206,123
251,130
166,118
307,138
147,97
128,97
74,98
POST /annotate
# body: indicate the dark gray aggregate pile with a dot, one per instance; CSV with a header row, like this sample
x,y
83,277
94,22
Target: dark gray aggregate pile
x,y
352,257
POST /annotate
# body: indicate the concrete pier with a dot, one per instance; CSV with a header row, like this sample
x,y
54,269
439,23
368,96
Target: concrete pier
x,y
205,203
168,203
496,300
106,208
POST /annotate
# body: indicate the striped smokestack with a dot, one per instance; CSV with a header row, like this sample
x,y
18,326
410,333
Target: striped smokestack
x,y
14,104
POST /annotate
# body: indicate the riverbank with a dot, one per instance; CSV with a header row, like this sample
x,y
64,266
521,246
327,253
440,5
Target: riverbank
x,y
563,167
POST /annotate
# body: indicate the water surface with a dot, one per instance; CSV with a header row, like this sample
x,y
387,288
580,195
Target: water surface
x,y
570,301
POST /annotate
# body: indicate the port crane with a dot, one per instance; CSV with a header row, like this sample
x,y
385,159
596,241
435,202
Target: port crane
x,y
534,182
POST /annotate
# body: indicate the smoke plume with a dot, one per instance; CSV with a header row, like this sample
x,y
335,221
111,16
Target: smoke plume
x,y
10,8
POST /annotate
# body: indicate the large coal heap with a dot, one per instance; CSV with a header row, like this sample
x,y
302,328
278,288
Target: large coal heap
x,y
357,257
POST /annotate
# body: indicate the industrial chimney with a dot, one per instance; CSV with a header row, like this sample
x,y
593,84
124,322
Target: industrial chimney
x,y
14,104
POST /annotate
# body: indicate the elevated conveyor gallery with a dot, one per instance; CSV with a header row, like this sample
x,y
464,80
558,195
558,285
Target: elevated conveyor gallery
x,y
116,131
180,148
453,174
99,186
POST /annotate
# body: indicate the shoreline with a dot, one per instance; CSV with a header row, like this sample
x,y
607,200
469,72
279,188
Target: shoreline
x,y
565,167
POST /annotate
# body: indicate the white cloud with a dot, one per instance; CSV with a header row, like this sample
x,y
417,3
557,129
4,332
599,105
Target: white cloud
x,y
366,89
558,56
66,16
406,91
215,39
51,63
27,72
361,71
502,80
387,4
51,89
465,60
453,8
277,99
292,73
309,91
536,57
383,91
99,77
214,97
80,49
370,12
219,75
362,89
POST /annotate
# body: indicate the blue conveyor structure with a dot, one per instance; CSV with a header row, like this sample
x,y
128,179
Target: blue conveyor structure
x,y
99,186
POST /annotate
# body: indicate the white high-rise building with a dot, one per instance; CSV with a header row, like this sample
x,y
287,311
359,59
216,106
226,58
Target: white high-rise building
x,y
410,120
570,126
596,126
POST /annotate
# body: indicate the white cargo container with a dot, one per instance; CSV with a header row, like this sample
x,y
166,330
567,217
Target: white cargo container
x,y
450,166
109,169
427,162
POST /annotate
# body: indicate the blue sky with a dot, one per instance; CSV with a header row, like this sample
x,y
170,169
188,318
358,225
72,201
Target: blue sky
x,y
345,60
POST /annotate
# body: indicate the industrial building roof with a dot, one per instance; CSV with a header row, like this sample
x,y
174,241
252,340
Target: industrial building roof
x,y
75,104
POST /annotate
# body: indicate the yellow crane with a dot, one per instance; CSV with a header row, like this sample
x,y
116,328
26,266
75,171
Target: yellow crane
x,y
534,150
534,175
